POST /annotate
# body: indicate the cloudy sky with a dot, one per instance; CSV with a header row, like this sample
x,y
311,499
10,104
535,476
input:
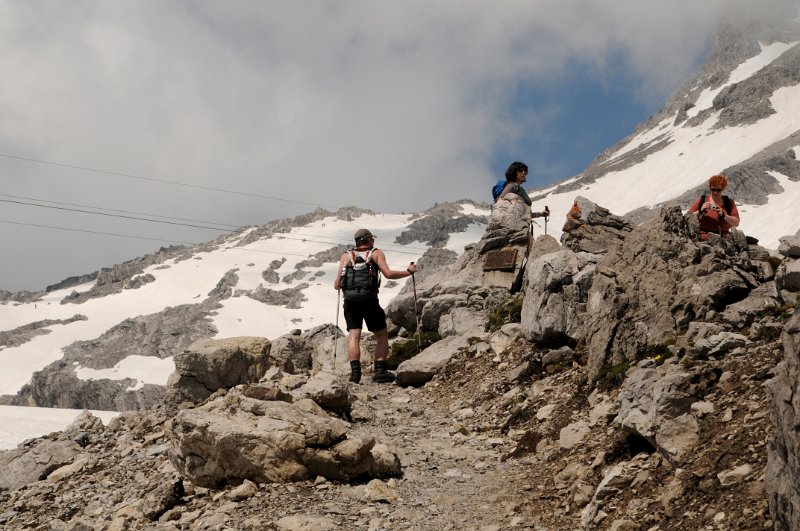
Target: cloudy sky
x,y
236,113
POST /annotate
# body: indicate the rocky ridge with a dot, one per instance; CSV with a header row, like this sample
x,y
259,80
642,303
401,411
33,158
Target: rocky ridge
x,y
516,425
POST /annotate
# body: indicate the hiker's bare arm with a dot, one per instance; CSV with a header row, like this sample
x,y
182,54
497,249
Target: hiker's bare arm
x,y
380,261
338,281
733,217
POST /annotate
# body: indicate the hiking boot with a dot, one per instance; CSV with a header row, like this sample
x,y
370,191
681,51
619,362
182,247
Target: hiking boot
x,y
381,375
355,371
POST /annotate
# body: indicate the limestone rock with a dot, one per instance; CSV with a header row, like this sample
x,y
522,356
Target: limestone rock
x,y
24,465
790,245
592,228
329,392
423,367
212,364
555,296
234,437
655,402
664,277
783,451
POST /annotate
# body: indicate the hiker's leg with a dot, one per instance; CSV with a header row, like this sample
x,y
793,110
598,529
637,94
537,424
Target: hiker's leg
x,y
354,354
354,344
381,374
382,346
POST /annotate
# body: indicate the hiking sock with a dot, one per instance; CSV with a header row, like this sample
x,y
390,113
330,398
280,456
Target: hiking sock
x,y
381,375
355,371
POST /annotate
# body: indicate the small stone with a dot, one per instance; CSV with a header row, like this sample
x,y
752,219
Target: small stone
x,y
734,475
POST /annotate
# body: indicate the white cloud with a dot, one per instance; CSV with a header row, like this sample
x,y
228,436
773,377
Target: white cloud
x,y
386,105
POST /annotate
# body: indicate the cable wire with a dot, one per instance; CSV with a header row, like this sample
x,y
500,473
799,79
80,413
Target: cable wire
x,y
114,215
232,226
165,181
303,237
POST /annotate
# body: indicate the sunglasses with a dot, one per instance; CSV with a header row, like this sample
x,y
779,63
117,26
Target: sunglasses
x,y
716,189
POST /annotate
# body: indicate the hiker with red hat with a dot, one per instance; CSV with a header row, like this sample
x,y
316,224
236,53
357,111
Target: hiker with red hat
x,y
359,278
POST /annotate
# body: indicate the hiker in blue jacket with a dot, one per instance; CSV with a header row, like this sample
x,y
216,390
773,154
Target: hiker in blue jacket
x,y
359,279
516,174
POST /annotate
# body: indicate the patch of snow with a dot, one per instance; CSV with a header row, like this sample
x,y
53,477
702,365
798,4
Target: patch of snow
x,y
18,424
768,54
695,154
144,369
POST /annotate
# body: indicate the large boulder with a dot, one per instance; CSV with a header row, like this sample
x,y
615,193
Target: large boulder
x,y
592,228
329,392
236,437
788,275
34,461
421,369
655,403
790,245
783,451
556,293
212,364
465,283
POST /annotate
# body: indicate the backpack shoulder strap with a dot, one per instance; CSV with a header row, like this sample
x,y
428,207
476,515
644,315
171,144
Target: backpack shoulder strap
x,y
726,204
702,199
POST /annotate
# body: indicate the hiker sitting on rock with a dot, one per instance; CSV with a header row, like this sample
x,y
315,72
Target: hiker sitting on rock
x,y
516,174
716,212
359,278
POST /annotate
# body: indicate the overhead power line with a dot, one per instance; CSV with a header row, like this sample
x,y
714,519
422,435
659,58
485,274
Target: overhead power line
x,y
288,236
216,223
165,181
114,215
94,232
138,237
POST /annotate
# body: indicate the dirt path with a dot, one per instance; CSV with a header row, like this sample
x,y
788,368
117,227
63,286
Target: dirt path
x,y
452,478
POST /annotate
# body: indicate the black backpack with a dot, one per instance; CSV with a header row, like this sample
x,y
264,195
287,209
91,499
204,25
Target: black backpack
x,y
726,202
361,277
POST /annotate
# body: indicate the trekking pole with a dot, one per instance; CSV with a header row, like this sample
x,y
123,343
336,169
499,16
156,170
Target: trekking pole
x,y
336,332
545,218
416,313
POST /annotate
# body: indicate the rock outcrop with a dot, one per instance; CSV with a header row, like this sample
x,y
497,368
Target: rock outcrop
x,y
783,452
212,364
270,441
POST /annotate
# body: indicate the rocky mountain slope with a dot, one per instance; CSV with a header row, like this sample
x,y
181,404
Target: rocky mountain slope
x,y
737,115
106,341
516,418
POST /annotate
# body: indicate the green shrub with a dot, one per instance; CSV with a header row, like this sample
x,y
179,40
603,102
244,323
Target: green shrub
x,y
781,313
508,312
611,376
657,353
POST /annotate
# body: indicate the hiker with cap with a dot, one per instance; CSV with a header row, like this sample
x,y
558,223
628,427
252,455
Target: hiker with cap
x,y
359,278
516,174
716,212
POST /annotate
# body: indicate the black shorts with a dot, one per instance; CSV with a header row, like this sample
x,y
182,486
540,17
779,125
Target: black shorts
x,y
368,311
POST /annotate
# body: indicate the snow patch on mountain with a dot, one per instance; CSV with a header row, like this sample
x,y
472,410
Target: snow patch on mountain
x,y
692,156
20,423
144,369
181,280
768,54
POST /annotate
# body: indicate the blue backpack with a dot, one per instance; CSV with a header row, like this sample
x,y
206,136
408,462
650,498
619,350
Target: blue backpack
x,y
497,189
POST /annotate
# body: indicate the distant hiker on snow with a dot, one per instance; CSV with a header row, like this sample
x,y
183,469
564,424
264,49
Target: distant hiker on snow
x,y
516,174
359,279
716,212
